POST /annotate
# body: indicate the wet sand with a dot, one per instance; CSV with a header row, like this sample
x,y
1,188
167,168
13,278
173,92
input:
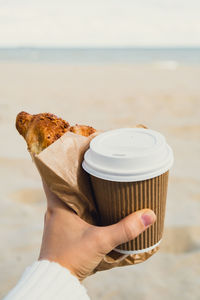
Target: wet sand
x,y
105,96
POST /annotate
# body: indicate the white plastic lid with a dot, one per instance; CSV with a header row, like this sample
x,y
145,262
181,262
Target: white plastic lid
x,y
128,154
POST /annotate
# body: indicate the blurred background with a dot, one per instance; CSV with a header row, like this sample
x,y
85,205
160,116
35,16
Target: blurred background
x,y
108,64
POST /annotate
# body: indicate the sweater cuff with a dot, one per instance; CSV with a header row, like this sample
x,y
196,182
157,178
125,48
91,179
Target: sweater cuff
x,y
47,280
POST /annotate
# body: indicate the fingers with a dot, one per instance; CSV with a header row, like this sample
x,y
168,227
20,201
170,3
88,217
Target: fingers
x,y
127,229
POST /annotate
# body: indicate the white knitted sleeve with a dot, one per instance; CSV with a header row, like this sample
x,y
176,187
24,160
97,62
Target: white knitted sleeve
x,y
45,280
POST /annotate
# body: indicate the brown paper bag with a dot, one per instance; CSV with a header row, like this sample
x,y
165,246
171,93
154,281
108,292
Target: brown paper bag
x,y
60,166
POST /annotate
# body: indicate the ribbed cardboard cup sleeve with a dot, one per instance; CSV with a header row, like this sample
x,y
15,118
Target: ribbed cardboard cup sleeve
x,y
115,200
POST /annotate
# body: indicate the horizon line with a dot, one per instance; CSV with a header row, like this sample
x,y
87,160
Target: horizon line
x,y
99,47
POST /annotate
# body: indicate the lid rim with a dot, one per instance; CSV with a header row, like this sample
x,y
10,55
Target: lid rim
x,y
159,165
129,178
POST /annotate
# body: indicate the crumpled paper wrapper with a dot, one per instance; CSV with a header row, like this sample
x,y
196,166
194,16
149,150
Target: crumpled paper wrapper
x,y
60,166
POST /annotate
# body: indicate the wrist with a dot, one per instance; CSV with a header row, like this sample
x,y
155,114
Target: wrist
x,y
54,244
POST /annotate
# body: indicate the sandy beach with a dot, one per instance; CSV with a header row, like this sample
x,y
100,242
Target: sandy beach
x,y
105,96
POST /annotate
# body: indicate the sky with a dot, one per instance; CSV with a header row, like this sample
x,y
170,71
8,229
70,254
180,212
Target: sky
x,y
99,23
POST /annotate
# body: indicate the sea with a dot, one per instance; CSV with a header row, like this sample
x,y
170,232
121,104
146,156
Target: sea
x,y
168,56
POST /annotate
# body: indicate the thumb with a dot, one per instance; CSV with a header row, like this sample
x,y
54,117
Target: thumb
x,y
128,228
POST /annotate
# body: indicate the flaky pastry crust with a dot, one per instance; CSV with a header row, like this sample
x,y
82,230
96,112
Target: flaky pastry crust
x,y
41,130
82,130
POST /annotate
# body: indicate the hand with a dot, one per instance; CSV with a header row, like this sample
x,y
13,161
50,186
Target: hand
x,y
79,246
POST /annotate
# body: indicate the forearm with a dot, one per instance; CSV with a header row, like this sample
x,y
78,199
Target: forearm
x,y
46,280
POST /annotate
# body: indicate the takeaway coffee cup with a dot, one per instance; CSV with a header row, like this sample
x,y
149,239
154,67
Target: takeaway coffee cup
x,y
129,170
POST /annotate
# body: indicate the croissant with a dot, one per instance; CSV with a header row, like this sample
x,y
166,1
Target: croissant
x,y
41,130
82,130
